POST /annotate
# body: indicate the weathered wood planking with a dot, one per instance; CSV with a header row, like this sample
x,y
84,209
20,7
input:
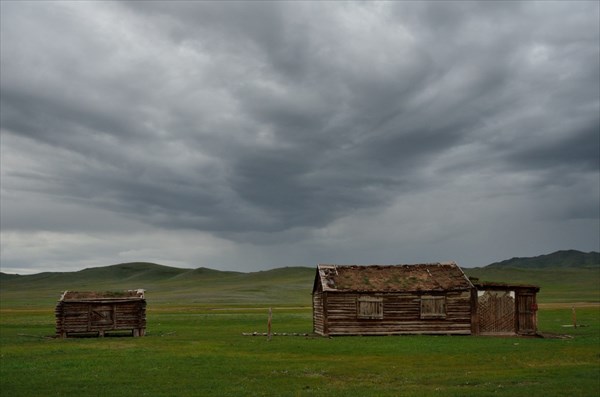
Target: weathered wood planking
x,y
318,314
401,314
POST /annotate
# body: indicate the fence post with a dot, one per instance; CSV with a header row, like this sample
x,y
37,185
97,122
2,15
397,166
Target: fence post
x,y
269,334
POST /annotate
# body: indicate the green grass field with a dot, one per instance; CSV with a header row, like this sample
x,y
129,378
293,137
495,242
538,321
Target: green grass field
x,y
195,347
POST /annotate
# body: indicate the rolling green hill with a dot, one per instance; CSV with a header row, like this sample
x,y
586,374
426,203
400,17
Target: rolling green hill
x,y
568,258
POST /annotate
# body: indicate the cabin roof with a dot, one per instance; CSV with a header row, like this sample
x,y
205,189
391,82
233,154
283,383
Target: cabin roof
x,y
391,278
505,286
106,295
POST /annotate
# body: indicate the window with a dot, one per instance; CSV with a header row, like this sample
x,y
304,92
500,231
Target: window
x,y
433,306
369,307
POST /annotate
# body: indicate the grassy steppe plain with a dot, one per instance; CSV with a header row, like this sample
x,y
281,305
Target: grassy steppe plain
x,y
194,345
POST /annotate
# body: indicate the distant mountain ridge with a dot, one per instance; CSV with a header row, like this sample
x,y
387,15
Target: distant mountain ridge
x,y
152,271
558,259
133,271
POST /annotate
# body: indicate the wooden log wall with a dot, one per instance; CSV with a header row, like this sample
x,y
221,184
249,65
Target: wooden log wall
x,y
100,316
318,314
401,315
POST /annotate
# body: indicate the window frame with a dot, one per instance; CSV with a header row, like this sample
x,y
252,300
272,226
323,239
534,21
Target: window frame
x,y
369,307
433,307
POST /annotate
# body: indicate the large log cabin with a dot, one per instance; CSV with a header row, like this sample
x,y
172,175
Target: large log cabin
x,y
432,298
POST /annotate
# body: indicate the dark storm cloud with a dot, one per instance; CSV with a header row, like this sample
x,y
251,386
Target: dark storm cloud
x,y
266,121
578,151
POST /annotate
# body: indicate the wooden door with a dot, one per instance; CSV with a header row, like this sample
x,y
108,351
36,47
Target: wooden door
x,y
496,311
527,316
102,316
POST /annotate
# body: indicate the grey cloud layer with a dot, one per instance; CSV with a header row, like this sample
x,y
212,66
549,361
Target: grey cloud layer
x,y
250,119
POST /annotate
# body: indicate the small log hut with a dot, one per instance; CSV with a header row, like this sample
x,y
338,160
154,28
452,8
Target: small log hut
x,y
99,313
433,298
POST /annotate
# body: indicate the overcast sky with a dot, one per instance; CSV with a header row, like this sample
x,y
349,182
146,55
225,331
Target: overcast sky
x,y
248,135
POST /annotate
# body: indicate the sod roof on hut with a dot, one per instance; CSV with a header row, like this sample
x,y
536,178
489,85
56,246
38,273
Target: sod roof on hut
x,y
393,278
95,295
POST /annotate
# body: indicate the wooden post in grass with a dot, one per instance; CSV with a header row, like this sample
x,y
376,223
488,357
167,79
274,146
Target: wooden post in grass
x,y
574,317
269,334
